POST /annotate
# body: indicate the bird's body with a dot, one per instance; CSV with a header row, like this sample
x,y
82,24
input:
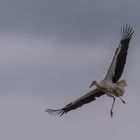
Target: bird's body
x,y
112,89
110,85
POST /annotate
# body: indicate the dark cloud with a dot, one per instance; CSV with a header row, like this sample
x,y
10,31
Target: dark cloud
x,y
67,20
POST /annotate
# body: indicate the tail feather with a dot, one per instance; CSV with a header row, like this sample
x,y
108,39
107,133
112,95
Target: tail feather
x,y
55,112
122,83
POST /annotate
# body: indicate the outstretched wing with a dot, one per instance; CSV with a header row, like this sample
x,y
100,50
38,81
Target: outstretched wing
x,y
116,68
87,98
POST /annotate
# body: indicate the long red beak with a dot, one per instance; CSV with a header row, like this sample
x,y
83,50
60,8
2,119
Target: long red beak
x,y
92,84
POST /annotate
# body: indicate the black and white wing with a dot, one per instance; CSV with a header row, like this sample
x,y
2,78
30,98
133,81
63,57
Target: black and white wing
x,y
87,98
116,68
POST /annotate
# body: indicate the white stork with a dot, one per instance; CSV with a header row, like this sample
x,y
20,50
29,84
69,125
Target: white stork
x,y
110,84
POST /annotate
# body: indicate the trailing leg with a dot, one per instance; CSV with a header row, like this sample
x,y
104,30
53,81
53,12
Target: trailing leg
x,y
119,97
111,111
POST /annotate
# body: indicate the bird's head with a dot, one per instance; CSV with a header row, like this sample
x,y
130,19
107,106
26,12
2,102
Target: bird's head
x,y
92,84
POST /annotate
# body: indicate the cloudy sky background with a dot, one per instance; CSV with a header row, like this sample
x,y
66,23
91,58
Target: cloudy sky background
x,y
50,51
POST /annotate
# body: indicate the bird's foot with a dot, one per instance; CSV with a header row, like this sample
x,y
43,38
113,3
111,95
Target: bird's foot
x,y
123,101
111,113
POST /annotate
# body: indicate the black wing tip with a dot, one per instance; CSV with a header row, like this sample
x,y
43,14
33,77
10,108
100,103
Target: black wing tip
x,y
54,112
126,32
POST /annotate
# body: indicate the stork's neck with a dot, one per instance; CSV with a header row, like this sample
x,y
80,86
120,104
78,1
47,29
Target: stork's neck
x,y
97,85
100,85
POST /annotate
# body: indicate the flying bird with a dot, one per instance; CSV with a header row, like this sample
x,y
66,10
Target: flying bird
x,y
110,85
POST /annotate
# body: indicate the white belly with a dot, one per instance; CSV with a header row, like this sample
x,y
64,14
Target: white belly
x,y
111,89
120,90
116,91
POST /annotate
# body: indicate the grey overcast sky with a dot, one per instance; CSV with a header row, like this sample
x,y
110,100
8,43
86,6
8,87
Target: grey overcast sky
x,y
50,51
